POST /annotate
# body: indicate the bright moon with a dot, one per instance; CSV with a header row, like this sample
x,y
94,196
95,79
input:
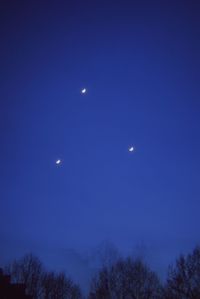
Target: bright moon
x,y
131,149
83,90
58,161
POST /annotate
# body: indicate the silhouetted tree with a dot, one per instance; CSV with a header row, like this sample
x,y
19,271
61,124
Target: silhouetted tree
x,y
39,283
127,279
183,280
28,270
58,286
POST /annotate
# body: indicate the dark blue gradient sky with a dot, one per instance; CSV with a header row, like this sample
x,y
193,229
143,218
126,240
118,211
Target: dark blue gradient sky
x,y
140,62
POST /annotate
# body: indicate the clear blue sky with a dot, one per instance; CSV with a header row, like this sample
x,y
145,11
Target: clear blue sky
x,y
139,61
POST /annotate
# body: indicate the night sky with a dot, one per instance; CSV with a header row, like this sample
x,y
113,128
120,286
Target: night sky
x,y
140,64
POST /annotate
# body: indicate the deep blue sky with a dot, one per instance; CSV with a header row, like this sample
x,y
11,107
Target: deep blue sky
x,y
140,62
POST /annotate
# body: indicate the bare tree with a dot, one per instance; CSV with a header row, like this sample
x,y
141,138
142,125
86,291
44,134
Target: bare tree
x,y
126,279
184,278
39,283
58,286
100,285
28,270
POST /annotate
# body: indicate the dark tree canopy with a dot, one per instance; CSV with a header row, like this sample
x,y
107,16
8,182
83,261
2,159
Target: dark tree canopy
x,y
39,283
184,278
28,270
58,286
127,278
121,278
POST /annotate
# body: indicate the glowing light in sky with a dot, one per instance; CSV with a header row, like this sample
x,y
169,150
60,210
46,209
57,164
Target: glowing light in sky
x,y
58,161
131,149
83,90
